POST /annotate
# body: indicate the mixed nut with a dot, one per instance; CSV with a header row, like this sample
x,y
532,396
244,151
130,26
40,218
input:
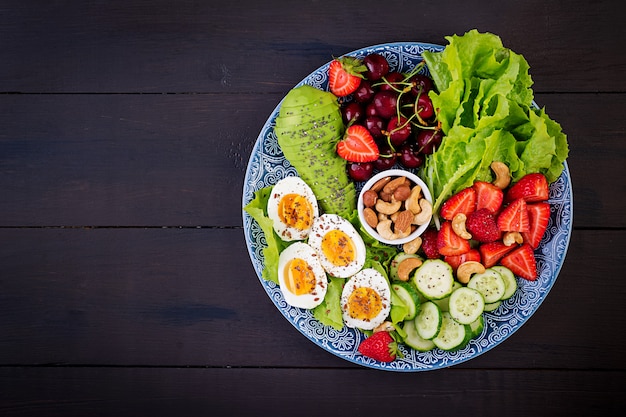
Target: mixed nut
x,y
395,207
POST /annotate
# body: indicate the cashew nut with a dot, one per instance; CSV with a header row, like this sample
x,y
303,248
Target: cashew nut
x,y
503,177
510,238
458,226
384,230
412,246
466,269
385,326
407,266
388,208
425,214
413,202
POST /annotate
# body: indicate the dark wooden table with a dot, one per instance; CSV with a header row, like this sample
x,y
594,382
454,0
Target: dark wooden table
x,y
125,283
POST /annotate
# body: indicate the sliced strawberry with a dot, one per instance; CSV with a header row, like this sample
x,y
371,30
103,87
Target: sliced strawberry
x,y
345,75
462,202
482,226
449,243
492,252
429,243
522,262
357,145
455,260
488,196
514,217
531,187
539,216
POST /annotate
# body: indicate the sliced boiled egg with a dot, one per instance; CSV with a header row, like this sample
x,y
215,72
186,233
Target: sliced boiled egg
x,y
366,300
340,247
301,277
292,207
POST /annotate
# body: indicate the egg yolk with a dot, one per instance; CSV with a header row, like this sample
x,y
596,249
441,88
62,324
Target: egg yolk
x,y
338,248
364,304
295,211
300,278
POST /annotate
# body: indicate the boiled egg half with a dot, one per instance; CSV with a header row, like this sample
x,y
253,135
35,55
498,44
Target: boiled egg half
x,y
366,300
340,247
301,277
292,207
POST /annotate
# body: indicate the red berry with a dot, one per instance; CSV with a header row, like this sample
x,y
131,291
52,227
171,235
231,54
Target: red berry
x,y
379,346
522,262
482,226
449,243
429,243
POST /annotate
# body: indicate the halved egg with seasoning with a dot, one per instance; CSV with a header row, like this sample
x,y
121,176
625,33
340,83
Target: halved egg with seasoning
x,y
292,206
301,277
340,247
366,300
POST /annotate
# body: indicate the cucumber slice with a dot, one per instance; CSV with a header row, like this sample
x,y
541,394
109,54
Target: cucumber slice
x,y
444,303
492,306
395,262
510,282
414,340
452,335
466,305
490,284
428,320
434,279
477,326
409,296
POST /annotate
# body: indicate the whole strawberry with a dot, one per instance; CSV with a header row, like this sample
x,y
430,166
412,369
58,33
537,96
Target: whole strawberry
x,y
429,243
379,346
483,226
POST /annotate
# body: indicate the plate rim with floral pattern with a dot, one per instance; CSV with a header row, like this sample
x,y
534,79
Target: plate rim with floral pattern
x,y
267,165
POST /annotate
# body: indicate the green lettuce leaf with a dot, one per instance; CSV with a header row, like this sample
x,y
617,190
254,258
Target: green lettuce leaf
x,y
329,311
486,110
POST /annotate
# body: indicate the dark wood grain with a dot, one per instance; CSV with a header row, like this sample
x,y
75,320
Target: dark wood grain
x,y
190,46
253,392
169,160
178,297
126,286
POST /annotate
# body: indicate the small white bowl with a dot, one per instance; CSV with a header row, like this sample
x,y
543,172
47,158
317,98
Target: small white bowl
x,y
393,173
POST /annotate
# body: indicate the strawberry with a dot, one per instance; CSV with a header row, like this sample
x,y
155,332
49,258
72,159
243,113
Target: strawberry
x,y
455,260
482,226
379,346
531,187
522,262
539,216
514,217
492,252
462,202
429,243
357,145
345,75
449,243
488,196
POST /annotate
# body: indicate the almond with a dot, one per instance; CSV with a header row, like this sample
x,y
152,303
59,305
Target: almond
x,y
403,222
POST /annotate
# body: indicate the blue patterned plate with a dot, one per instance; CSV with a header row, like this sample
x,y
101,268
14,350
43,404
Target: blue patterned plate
x,y
267,165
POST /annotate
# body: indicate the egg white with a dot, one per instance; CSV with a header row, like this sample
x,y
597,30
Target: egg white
x,y
327,223
369,278
302,251
284,187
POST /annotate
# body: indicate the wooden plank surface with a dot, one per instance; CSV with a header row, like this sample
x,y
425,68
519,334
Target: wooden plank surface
x,y
125,283
170,160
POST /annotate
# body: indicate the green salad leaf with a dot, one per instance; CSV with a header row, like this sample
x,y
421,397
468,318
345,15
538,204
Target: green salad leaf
x,y
486,110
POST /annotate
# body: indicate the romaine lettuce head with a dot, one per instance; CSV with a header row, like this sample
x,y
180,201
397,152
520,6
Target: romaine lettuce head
x,y
485,107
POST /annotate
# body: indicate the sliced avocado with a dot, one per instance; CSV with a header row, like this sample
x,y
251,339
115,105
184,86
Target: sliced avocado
x,y
306,95
320,115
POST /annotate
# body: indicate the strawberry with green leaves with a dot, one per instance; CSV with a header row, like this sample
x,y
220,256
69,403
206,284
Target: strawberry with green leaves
x,y
358,145
380,346
345,75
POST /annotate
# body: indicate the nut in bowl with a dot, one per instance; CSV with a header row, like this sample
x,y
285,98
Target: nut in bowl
x,y
395,206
